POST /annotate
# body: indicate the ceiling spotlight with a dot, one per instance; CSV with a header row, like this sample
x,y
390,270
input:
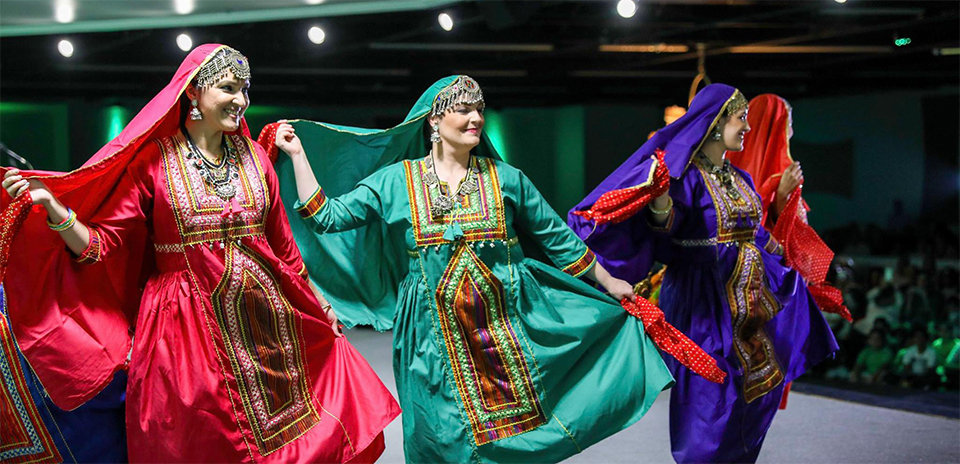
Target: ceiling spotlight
x,y
183,6
64,11
184,42
65,48
314,2
840,1
446,21
627,8
316,35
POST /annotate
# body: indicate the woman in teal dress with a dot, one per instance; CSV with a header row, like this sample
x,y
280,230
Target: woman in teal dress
x,y
498,357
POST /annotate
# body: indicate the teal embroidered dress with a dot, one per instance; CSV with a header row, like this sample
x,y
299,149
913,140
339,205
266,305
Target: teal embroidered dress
x,y
498,357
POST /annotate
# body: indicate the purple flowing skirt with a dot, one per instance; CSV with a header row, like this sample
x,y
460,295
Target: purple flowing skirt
x,y
714,423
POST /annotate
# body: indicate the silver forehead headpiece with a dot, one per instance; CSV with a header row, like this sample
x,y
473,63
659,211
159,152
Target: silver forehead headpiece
x,y
226,59
464,90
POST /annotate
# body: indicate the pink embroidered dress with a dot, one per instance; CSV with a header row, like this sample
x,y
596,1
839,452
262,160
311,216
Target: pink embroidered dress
x,y
232,359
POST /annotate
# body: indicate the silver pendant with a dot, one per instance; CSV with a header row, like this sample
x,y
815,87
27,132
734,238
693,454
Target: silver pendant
x,y
442,204
226,191
469,186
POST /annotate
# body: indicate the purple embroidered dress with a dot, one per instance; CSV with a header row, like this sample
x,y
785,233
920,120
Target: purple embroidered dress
x,y
725,287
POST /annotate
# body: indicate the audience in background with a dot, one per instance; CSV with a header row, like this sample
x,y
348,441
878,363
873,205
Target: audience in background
x,y
907,295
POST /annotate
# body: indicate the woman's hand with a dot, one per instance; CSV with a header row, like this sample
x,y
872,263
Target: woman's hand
x,y
15,185
331,318
327,309
288,141
792,177
619,289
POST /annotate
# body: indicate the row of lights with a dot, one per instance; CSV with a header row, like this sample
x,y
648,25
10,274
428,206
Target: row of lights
x,y
65,10
65,13
628,8
315,34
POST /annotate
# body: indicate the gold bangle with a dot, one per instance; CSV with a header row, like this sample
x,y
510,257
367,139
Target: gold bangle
x,y
662,211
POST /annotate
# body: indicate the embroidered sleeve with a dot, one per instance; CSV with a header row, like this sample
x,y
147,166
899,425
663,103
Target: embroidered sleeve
x,y
581,265
621,204
361,206
92,253
311,207
539,220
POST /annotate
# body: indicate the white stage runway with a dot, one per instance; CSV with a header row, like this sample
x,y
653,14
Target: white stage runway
x,y
812,429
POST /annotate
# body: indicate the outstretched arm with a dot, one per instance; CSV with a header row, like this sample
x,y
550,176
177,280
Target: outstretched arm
x,y
289,143
76,236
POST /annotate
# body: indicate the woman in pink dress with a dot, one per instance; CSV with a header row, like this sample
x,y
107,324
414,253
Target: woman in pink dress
x,y
176,228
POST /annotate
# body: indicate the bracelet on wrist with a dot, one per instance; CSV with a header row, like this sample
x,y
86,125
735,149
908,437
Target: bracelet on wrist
x,y
662,211
66,223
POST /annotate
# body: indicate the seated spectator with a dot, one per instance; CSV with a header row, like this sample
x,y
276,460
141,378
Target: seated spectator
x,y
873,361
919,362
883,302
952,368
944,347
917,310
883,326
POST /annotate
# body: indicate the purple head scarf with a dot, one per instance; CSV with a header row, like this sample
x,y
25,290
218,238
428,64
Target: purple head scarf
x,y
626,248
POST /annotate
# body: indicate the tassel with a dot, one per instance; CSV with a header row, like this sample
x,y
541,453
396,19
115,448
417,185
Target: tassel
x,y
231,208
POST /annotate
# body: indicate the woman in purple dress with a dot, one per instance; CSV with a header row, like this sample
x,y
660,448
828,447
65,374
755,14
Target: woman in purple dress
x,y
725,285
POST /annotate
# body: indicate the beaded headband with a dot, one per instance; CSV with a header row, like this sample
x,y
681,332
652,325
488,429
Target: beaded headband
x,y
738,103
464,90
226,59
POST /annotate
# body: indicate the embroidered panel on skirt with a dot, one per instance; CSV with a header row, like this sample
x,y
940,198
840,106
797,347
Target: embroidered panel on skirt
x,y
480,214
198,209
23,436
485,355
260,330
737,218
261,333
752,306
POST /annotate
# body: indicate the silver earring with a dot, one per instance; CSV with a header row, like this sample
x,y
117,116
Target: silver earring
x,y
717,135
435,135
195,114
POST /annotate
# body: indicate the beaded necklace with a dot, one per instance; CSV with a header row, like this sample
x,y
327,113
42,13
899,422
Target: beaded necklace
x,y
216,175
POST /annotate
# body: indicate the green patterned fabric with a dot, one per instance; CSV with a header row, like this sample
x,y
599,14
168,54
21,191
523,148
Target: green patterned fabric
x,y
498,357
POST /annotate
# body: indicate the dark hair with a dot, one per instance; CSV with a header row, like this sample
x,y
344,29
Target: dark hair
x,y
919,331
877,320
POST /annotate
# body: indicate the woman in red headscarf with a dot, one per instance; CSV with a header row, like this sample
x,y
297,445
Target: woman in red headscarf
x,y
176,227
766,154
779,180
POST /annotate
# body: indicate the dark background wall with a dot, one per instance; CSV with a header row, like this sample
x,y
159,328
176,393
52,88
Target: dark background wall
x,y
859,153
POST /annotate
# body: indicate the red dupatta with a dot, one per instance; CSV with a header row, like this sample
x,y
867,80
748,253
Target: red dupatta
x,y
765,156
72,320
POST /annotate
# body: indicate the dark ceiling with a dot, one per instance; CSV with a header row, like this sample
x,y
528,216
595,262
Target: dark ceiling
x,y
527,52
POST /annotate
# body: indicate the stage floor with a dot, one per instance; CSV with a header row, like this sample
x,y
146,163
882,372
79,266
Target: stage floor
x,y
812,429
